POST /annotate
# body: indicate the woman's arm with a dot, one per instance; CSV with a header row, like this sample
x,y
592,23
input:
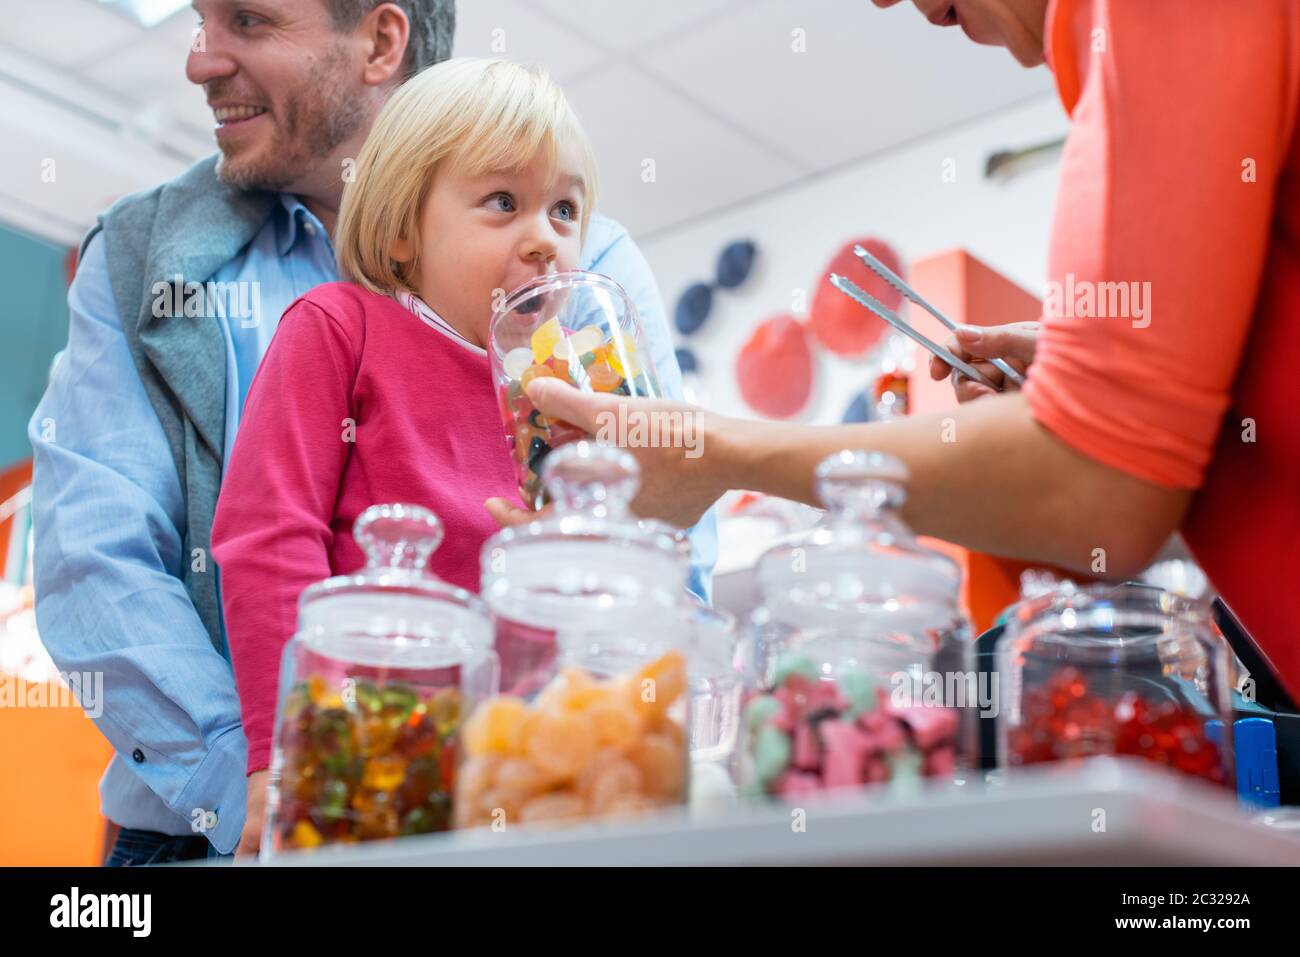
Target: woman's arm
x,y
985,475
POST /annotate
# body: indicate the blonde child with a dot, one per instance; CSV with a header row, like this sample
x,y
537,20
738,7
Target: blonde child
x,y
475,178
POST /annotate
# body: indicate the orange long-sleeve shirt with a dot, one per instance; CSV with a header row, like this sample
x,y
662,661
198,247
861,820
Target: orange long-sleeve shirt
x,y
1171,341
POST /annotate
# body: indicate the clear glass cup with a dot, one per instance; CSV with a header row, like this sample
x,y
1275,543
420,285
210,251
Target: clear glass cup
x,y
373,688
859,663
1116,670
599,729
580,327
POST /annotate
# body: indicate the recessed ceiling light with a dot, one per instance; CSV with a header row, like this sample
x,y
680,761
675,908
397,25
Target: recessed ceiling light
x,y
147,13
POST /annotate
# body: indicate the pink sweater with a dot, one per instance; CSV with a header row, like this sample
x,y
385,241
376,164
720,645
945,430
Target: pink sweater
x,y
427,431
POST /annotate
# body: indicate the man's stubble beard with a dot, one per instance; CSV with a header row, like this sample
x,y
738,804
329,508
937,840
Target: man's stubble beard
x,y
307,132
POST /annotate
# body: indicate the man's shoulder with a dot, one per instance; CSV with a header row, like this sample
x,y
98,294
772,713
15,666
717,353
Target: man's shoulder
x,y
343,304
196,206
199,177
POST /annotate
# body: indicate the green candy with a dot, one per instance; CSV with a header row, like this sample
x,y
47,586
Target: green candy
x,y
418,821
752,791
771,753
334,800
587,358
860,689
795,665
366,695
399,699
761,710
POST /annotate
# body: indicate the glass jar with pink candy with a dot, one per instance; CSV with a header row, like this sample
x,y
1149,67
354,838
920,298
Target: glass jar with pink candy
x,y
859,664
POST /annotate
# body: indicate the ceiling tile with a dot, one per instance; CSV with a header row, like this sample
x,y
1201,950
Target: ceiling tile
x,y
64,32
624,27
698,165
149,69
869,78
506,28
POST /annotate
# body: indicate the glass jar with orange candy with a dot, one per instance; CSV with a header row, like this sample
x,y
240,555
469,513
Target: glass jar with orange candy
x,y
593,635
580,327
373,690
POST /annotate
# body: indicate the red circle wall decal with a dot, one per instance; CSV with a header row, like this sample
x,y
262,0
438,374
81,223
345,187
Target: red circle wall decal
x,y
839,323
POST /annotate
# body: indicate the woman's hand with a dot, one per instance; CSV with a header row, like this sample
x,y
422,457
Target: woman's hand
x,y
1013,342
672,441
250,841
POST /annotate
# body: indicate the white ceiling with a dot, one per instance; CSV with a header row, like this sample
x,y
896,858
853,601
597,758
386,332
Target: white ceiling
x,y
711,90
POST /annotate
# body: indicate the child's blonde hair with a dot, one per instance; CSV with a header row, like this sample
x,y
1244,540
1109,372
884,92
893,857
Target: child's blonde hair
x,y
484,114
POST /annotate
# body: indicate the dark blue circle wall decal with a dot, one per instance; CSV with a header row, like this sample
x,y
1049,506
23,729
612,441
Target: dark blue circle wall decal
x,y
693,308
735,263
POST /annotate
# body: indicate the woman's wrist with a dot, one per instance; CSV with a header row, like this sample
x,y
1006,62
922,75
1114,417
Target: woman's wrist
x,y
743,451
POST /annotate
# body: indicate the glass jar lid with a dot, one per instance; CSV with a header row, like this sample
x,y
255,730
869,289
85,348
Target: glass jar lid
x,y
860,570
395,596
590,557
1112,624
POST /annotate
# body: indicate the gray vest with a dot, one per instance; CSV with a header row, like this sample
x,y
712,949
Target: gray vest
x,y
189,227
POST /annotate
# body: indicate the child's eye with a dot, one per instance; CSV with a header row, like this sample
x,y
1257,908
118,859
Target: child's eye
x,y
566,211
502,202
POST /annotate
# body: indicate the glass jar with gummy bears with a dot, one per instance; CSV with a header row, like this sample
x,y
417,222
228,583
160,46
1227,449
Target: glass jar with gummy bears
x,y
373,688
1116,670
598,728
859,662
580,327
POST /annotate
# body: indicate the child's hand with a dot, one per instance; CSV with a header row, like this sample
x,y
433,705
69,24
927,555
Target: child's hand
x,y
250,841
679,479
507,513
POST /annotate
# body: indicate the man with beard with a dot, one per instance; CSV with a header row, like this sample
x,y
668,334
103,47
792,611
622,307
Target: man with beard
x,y
140,417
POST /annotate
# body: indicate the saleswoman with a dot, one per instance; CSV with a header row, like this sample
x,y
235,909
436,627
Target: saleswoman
x,y
1178,180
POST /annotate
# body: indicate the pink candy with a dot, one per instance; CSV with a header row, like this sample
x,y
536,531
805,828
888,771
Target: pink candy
x,y
807,753
795,784
832,749
929,726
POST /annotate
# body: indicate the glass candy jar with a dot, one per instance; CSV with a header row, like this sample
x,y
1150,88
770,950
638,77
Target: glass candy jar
x,y
858,661
580,327
373,688
599,729
1115,670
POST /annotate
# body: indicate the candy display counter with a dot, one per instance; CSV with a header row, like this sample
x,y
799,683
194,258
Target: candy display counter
x,y
1103,811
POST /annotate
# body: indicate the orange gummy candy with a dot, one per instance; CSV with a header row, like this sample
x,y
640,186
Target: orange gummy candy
x,y
536,372
655,687
663,764
494,727
614,781
627,805
520,774
556,806
616,723
560,743
603,378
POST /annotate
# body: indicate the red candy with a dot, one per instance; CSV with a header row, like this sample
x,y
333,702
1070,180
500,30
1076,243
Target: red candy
x,y
1061,721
